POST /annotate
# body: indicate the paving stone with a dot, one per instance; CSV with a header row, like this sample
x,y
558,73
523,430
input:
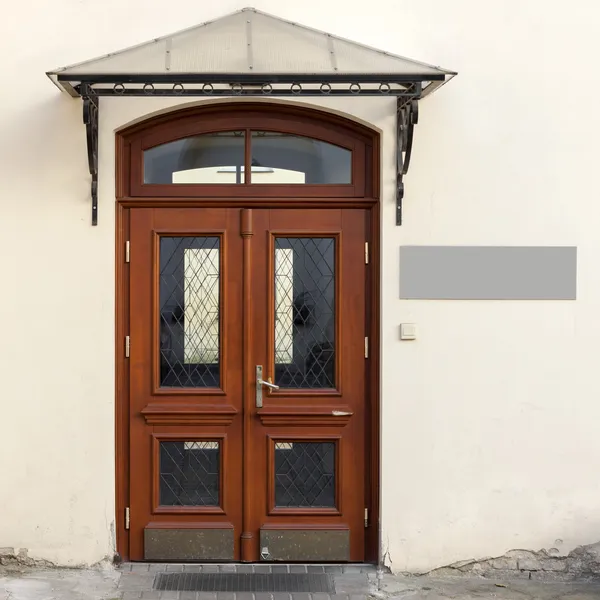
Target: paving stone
x,y
227,568
297,568
333,570
302,596
262,568
225,596
157,568
174,568
140,567
192,568
169,595
315,569
154,595
320,596
131,595
135,582
281,596
279,569
188,595
207,595
244,569
244,596
263,596
351,584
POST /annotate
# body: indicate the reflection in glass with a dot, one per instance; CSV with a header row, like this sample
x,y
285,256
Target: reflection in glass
x,y
296,159
211,158
305,474
189,473
305,312
189,311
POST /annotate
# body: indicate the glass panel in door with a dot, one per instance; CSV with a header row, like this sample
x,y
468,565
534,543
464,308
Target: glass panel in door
x,y
305,314
189,299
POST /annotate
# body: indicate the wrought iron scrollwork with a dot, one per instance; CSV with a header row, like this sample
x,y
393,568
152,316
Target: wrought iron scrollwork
x,y
407,95
90,119
279,85
407,118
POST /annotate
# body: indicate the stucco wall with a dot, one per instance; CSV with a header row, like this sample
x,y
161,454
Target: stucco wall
x,y
489,418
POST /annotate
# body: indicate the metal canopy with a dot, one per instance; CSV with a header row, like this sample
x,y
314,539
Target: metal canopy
x,y
251,53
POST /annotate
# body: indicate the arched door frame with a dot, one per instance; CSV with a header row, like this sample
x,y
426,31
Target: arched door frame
x,y
363,192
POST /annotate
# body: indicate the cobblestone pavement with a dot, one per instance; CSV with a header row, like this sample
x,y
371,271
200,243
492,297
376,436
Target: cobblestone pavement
x,y
352,582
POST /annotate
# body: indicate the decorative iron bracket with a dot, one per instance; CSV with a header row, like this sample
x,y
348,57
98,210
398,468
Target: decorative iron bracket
x,y
407,112
407,118
90,118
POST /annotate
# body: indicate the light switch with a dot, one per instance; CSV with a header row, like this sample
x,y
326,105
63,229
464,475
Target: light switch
x,y
408,331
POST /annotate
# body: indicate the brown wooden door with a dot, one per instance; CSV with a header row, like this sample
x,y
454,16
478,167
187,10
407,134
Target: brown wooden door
x,y
223,467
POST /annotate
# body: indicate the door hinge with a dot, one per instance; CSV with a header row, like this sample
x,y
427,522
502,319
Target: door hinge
x,y
366,347
366,253
366,517
127,518
127,346
127,251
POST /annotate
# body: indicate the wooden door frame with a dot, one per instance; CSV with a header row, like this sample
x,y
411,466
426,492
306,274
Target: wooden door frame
x,y
318,197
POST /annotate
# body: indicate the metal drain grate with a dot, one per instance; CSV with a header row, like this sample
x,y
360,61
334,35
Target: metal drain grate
x,y
245,582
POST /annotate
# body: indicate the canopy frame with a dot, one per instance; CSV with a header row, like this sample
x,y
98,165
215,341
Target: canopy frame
x,y
407,80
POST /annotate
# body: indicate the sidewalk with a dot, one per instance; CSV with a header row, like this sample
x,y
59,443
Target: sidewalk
x,y
468,588
135,581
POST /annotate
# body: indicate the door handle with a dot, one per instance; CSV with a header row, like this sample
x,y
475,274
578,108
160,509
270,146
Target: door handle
x,y
259,386
268,384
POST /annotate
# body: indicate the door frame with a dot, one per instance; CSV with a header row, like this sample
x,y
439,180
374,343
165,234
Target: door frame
x,y
369,200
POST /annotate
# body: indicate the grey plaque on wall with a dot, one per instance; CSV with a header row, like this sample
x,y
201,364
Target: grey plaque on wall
x,y
488,272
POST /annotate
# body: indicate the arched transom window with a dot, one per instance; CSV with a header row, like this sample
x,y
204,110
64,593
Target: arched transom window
x,y
250,150
275,158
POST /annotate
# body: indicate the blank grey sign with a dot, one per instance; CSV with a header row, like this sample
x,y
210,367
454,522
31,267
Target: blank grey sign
x,y
488,272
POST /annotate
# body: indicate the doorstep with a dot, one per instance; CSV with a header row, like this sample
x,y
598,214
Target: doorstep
x,y
351,581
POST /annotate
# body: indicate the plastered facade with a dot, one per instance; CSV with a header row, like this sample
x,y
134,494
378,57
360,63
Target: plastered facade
x,y
489,418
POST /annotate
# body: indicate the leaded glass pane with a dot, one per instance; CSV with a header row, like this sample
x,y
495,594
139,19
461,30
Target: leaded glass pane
x,y
190,473
305,312
189,311
305,474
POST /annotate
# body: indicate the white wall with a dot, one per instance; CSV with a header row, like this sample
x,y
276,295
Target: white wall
x,y
489,419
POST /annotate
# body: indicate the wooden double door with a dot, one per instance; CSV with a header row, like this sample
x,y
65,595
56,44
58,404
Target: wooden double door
x,y
247,384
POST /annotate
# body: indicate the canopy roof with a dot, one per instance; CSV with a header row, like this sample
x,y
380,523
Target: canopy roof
x,y
250,48
251,53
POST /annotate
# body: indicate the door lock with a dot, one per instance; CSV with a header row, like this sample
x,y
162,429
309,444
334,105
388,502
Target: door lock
x,y
259,386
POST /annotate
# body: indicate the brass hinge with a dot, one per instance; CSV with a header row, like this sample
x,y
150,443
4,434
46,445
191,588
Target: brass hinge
x,y
127,251
366,517
127,346
127,518
366,347
366,253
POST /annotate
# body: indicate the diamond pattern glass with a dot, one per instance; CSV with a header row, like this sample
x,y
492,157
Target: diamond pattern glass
x,y
189,312
190,473
305,474
305,312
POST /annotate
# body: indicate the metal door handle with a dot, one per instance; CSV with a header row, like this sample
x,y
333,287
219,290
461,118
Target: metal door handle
x,y
259,386
268,384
